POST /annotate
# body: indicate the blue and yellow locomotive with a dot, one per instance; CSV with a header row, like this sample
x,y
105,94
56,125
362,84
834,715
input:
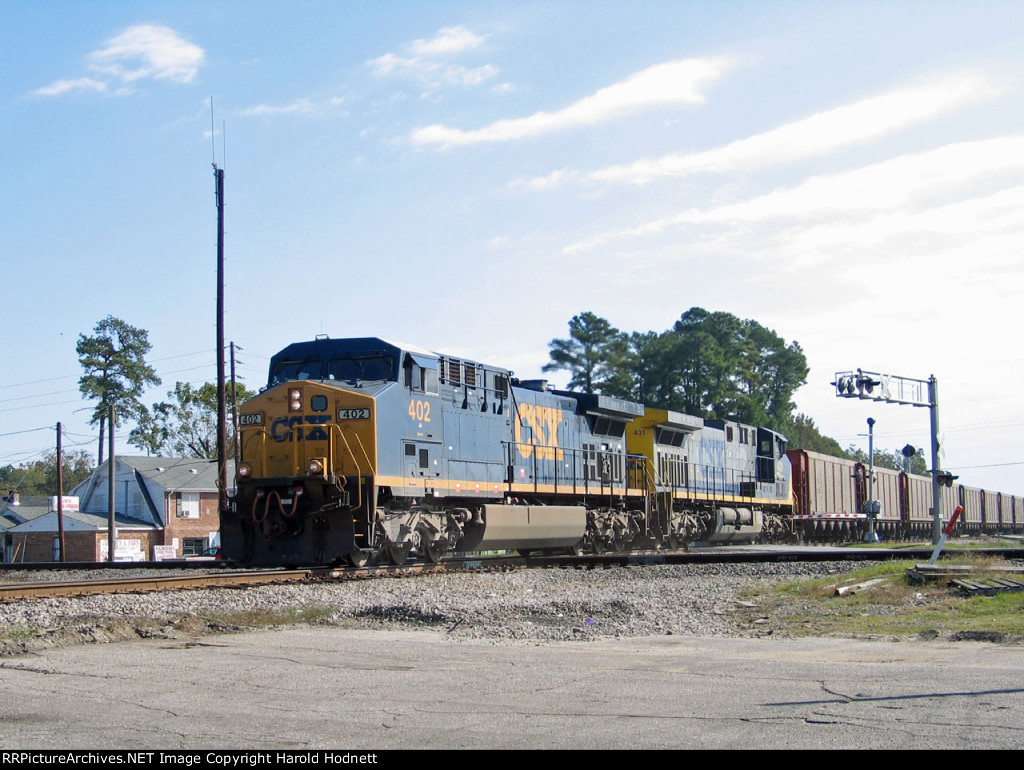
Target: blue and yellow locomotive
x,y
364,449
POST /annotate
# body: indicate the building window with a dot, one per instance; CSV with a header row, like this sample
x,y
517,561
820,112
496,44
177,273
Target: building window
x,y
188,505
135,505
56,549
194,546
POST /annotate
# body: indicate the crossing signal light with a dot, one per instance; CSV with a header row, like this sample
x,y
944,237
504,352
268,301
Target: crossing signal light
x,y
857,385
866,385
945,478
845,386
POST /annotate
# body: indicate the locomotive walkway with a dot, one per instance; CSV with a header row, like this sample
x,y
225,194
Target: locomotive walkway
x,y
332,688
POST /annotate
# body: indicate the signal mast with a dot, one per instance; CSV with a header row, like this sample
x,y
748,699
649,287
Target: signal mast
x,y
893,389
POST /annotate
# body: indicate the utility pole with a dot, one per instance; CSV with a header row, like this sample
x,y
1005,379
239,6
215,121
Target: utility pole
x,y
60,493
893,389
111,491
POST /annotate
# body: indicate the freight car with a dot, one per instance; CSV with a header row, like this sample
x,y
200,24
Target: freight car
x,y
829,496
363,449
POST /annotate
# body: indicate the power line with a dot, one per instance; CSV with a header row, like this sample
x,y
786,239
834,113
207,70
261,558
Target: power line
x,y
69,376
992,465
27,430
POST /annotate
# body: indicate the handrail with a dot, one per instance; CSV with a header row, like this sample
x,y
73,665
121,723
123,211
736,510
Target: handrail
x,y
336,428
300,457
615,483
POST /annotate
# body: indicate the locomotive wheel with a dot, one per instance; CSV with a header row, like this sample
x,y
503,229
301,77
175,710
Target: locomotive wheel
x,y
397,554
433,552
358,557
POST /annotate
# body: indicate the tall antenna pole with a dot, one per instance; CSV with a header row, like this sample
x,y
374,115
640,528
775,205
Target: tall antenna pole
x,y
222,438
222,441
60,491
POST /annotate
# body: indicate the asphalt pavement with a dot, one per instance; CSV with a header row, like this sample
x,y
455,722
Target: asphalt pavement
x,y
330,688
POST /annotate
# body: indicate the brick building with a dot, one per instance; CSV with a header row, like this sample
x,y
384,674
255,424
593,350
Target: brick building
x,y
164,507
15,510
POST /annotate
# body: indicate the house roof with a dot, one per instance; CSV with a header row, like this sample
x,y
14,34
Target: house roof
x,y
177,473
78,521
11,517
29,507
171,473
150,479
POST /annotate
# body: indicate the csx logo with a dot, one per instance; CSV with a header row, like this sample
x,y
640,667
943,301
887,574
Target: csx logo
x,y
293,428
544,422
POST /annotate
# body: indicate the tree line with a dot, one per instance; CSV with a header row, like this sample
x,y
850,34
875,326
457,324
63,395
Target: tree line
x,y
710,365
707,365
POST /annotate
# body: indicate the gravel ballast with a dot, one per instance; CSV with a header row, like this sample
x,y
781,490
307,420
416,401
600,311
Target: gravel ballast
x,y
502,607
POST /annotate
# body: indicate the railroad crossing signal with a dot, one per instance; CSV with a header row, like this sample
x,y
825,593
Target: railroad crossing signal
x,y
875,386
893,389
859,385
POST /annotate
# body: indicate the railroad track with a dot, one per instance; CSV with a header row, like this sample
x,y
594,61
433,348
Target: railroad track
x,y
145,584
11,591
136,584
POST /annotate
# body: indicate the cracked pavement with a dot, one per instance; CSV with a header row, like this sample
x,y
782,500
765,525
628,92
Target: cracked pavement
x,y
356,689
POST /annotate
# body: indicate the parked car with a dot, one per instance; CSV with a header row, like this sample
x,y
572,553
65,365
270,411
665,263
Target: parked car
x,y
210,554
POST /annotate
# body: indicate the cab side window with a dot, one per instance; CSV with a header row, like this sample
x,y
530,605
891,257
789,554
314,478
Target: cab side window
x,y
421,374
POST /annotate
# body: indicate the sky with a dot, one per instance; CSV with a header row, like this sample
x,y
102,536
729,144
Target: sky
x,y
467,176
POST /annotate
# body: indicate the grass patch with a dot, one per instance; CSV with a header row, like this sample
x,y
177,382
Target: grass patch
x,y
984,541
262,618
16,633
897,606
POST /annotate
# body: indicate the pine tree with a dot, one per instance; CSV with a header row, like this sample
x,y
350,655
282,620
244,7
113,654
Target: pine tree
x,y
116,372
593,353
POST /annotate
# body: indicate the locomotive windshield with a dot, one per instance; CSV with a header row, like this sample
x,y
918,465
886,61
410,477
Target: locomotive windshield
x,y
306,369
351,367
345,367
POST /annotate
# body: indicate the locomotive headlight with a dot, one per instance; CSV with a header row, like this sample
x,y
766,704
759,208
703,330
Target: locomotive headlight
x,y
295,400
316,467
244,470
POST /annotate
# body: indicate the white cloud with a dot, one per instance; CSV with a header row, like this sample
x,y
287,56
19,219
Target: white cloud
x,y
67,85
674,82
819,134
425,60
147,50
449,40
432,73
139,52
304,106
984,225
538,183
920,179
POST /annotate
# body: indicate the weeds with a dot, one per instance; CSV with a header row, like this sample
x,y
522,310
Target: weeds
x,y
896,606
261,618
